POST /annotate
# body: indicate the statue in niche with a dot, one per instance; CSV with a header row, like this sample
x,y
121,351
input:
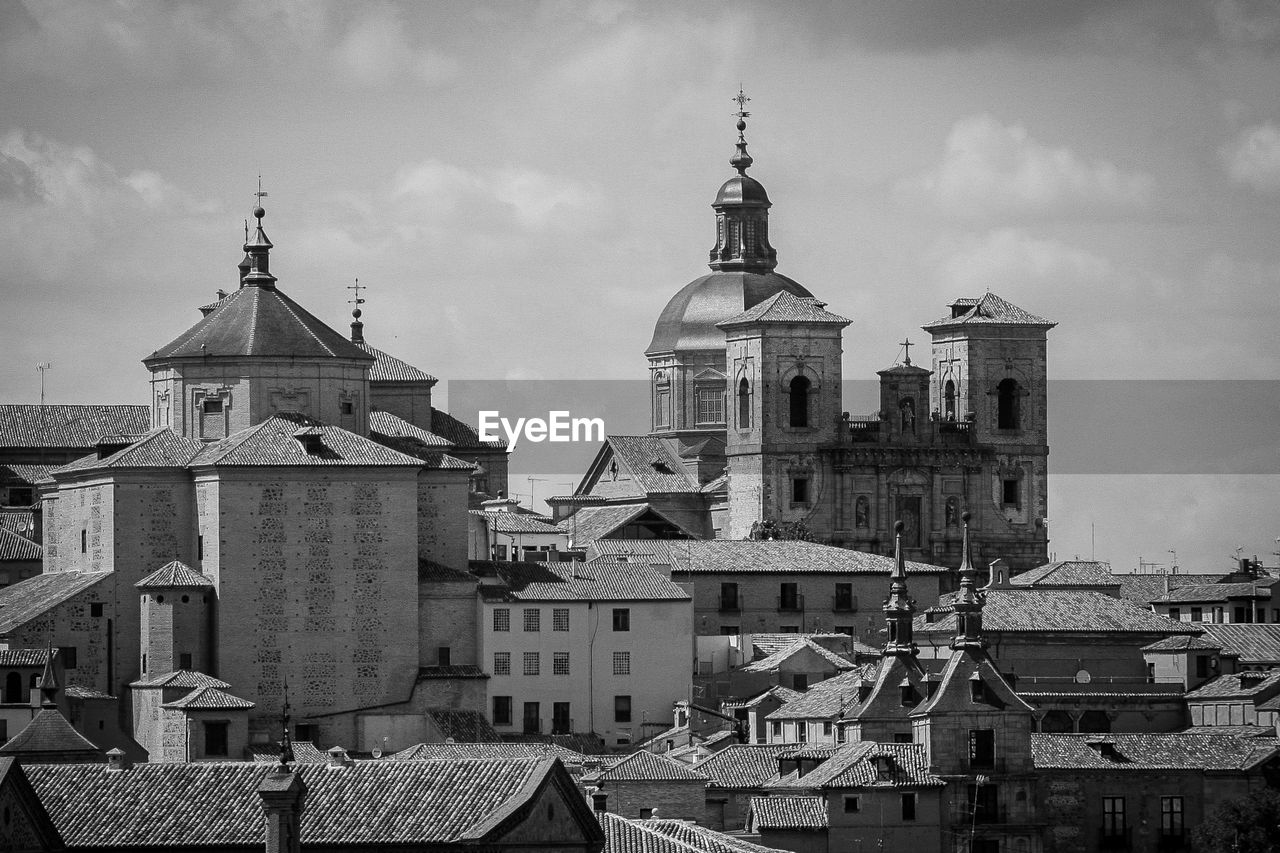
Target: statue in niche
x,y
908,415
953,512
862,512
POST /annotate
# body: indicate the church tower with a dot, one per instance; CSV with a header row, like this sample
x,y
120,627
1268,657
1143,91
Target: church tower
x,y
989,378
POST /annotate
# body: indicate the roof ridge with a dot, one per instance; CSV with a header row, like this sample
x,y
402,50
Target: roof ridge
x,y
285,304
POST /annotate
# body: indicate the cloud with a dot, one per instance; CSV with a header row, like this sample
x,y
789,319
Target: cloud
x,y
1008,260
992,170
1253,157
377,52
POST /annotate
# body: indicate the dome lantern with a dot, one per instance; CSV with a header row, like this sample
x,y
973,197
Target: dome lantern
x,y
742,213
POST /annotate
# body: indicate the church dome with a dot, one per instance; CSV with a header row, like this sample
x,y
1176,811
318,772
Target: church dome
x,y
744,190
689,320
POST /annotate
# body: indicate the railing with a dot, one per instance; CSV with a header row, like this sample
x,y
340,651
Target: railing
x,y
1121,839
791,604
844,603
863,430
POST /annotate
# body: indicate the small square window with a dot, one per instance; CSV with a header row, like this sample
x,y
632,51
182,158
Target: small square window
x,y
347,407
95,609
532,663
501,619
215,739
852,804
776,728
68,655
532,619
560,619
560,663
502,710
184,661
502,663
622,663
622,619
211,405
442,656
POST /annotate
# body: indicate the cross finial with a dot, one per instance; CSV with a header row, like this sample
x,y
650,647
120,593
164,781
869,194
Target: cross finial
x,y
906,345
357,287
741,100
260,194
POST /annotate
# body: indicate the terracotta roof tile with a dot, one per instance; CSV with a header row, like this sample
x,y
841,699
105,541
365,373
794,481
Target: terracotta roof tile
x,y
23,657
831,699
699,839
459,434
385,423
175,574
209,698
1218,592
181,678
19,521
654,463
1253,643
388,368
15,547
724,556
649,551
49,732
1140,589
743,765
304,751
511,522
1181,643
489,750
647,767
596,581
33,597
867,764
990,310
26,473
1176,751
30,425
777,691
1054,611
1068,573
273,442
797,646
783,812
1241,685
784,307
464,726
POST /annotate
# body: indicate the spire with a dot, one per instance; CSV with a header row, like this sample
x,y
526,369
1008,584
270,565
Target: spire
x,y
259,249
246,263
898,608
742,213
357,328
48,681
968,602
286,742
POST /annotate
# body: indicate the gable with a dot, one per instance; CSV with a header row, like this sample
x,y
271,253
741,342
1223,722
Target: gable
x,y
609,477
555,815
26,827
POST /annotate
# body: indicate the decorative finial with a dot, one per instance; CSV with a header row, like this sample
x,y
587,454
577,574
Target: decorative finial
x,y
968,601
246,231
907,345
741,160
357,328
258,212
898,606
286,742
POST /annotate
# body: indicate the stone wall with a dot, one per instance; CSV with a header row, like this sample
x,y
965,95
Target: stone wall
x,y
682,800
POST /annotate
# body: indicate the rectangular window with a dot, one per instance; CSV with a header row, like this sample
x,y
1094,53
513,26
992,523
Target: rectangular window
x,y
802,732
502,710
1009,492
561,724
729,597
306,732
95,609
560,619
442,656
984,803
844,629
826,728
788,596
184,661
532,663
215,739
844,596
68,656
908,806
559,663
1238,615
982,748
501,619
776,729
84,541
852,804
211,405
499,552
729,630
1217,615
502,663
200,547
800,490
710,406
347,407
532,718
1171,817
789,629
622,663
532,619
622,619
1113,825
800,681
1197,615
622,709
1202,666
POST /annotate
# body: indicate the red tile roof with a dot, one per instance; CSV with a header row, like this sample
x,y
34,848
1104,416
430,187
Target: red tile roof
x,y
209,698
1239,685
489,750
654,463
785,307
273,442
20,548
174,575
1055,611
1253,643
1175,751
646,767
990,310
23,657
459,434
868,764
783,812
1068,573
49,732
743,766
180,678
834,698
595,581
388,368
385,423
30,425
799,645
733,556
511,522
1181,643
624,835
33,597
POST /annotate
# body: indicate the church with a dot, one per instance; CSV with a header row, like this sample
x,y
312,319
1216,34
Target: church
x,y
748,437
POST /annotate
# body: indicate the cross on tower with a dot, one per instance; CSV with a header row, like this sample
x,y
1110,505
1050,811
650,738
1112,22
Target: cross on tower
x,y
741,99
357,287
906,345
260,194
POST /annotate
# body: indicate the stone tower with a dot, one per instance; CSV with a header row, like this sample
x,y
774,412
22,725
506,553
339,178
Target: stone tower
x,y
989,370
177,627
784,362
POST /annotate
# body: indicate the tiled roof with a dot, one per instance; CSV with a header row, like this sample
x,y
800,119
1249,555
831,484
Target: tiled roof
x,y
591,523
797,645
430,570
260,321
211,804
1239,685
457,670
273,442
831,699
777,691
23,657
654,835
174,574
765,644
1055,611
181,678
33,597
719,484
654,463
867,764
1175,751
1181,643
464,726
1251,642
1214,592
1068,573
209,698
954,691
787,813
596,581
76,691
15,547
388,368
587,743
48,732
784,307
459,434
488,750
304,751
1140,589
510,522
724,556
1231,731
385,423
161,448
25,473
649,551
647,767
18,521
743,766
30,425
990,310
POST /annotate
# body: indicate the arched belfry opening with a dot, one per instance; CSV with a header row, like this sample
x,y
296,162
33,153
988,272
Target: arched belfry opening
x,y
949,400
1007,399
744,404
800,388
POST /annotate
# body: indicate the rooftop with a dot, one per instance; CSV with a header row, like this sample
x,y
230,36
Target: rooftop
x,y
1239,685
781,812
49,733
646,767
831,699
1041,611
19,548
600,580
797,646
388,368
987,310
786,307
273,442
743,766
1253,643
174,574
654,835
732,556
25,600
33,425
1073,573
1175,751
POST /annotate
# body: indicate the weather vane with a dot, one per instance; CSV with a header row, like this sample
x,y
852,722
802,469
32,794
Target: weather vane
x,y
260,194
741,100
357,287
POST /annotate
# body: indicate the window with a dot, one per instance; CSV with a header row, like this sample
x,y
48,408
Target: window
x,y
800,401
1009,492
802,732
729,596
501,619
622,663
788,597
499,552
1202,666
1217,615
788,629
949,401
1171,817
622,619
862,512
211,405
776,729
1197,615
844,629
13,688
502,663
729,630
799,681
1175,613
184,661
532,619
95,609
346,407
4,728
1113,825
502,710
84,541
442,656
1151,673
532,718
844,596
826,728
560,619
710,406
1238,615
20,496
902,737
744,404
1007,393
622,709
561,724
215,738
559,663
984,803
532,663
306,732
68,656
800,490
908,806
982,748
852,804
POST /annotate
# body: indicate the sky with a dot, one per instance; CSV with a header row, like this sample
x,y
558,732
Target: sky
x,y
522,187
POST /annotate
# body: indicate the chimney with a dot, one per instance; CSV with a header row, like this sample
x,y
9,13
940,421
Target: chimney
x,y
283,793
117,762
599,801
338,758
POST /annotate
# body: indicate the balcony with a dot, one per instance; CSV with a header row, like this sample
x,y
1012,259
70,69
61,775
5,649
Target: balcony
x,y
791,604
863,430
844,603
1115,839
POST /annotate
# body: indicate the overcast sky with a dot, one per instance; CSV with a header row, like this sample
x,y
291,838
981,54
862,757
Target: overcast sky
x,y
522,187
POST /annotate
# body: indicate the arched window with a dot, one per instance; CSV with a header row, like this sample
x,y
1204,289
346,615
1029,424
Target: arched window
x,y
1007,393
744,404
949,400
800,401
13,687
